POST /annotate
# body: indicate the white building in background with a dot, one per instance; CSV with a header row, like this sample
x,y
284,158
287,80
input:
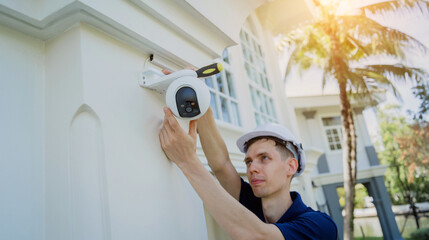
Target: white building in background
x,y
79,150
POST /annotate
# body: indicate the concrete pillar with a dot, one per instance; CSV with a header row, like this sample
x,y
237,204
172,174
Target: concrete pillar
x,y
334,207
377,190
307,194
312,155
311,126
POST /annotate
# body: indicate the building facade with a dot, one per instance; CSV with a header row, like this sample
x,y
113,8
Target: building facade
x,y
79,151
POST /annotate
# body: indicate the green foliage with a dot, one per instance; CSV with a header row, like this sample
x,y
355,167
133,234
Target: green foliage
x,y
361,193
405,150
421,92
420,234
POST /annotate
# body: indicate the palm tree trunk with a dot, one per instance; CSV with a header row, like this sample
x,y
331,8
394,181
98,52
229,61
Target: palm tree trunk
x,y
348,132
349,140
349,158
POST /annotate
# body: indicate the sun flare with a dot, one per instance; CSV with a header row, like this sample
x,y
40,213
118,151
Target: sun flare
x,y
340,7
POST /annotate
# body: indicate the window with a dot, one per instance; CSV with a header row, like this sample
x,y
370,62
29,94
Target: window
x,y
259,86
222,92
332,127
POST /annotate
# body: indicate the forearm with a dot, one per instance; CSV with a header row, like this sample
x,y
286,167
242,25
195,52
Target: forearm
x,y
233,217
179,147
211,141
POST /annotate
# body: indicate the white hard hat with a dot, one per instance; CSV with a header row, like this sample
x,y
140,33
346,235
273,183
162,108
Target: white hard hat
x,y
280,132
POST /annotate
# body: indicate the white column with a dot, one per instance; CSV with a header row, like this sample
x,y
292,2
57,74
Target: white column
x,y
312,154
363,130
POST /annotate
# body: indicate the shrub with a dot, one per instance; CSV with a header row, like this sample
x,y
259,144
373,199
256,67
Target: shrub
x,y
420,234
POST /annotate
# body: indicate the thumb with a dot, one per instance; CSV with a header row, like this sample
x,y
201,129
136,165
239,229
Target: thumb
x,y
166,71
193,128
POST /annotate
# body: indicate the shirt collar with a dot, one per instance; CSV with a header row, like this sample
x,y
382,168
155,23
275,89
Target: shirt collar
x,y
297,208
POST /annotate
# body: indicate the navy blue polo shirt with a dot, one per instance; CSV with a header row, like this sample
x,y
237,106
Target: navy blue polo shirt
x,y
298,222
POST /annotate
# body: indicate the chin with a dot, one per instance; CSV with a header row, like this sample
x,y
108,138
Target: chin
x,y
258,193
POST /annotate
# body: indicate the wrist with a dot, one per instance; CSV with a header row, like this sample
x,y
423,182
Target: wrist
x,y
190,165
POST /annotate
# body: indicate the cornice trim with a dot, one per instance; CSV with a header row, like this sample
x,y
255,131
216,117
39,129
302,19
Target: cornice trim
x,y
78,12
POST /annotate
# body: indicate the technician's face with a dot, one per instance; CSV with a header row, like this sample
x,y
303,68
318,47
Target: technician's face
x,y
266,171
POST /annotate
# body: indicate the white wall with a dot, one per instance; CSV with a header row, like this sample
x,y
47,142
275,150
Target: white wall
x,y
79,149
21,136
314,136
107,177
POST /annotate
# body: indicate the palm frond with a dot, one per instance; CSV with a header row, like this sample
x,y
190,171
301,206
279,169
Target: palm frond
x,y
328,71
378,39
381,75
310,48
376,81
362,90
292,61
390,6
359,51
400,71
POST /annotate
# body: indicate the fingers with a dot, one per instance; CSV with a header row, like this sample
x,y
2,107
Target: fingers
x,y
166,124
165,142
170,119
166,71
171,128
162,138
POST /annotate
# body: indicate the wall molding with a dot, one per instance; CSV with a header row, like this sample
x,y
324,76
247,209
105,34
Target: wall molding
x,y
78,12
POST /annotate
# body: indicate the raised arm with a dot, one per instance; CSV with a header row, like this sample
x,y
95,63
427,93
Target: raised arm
x,y
234,218
217,154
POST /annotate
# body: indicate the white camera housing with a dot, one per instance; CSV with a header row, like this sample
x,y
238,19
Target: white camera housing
x,y
186,95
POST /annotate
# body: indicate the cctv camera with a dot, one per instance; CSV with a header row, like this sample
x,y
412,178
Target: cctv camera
x,y
186,95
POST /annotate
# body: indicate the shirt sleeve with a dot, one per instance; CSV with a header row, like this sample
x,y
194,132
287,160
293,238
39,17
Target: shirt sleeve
x,y
312,225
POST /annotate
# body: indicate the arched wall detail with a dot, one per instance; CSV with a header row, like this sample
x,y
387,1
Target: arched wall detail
x,y
88,185
322,164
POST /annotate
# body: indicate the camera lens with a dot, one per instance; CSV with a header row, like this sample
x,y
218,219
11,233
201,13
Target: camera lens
x,y
187,102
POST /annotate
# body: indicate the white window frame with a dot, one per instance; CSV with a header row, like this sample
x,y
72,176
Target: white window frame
x,y
264,109
336,127
234,117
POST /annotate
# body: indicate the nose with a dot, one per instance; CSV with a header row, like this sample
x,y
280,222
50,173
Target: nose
x,y
254,167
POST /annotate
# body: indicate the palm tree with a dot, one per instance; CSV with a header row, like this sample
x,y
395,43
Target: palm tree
x,y
343,45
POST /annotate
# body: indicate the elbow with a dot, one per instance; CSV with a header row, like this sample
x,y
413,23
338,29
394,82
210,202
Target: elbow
x,y
218,167
253,235
258,237
264,232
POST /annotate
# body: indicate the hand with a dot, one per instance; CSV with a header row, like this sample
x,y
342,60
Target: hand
x,y
178,146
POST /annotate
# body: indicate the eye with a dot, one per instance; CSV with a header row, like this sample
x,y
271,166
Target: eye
x,y
264,157
247,162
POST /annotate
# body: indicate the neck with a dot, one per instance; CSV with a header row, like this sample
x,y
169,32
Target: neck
x,y
275,206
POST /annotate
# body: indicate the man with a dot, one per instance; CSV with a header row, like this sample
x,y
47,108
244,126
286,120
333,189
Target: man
x,y
263,209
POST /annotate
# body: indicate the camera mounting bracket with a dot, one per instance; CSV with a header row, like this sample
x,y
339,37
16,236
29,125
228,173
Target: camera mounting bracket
x,y
154,79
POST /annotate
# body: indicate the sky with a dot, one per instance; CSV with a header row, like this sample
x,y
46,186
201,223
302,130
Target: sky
x,y
418,27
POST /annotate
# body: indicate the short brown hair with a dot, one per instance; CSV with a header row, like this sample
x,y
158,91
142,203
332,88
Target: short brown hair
x,y
280,145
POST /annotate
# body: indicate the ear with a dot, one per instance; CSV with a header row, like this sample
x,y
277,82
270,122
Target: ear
x,y
292,166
